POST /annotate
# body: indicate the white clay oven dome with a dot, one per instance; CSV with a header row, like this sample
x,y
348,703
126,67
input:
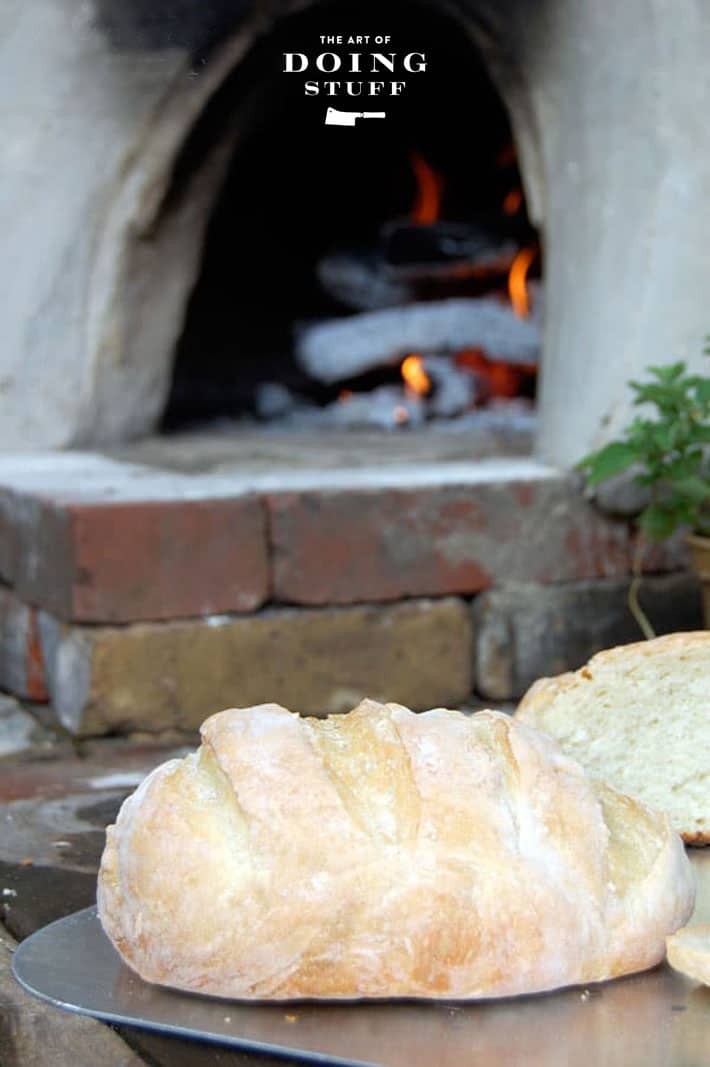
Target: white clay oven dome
x,y
127,127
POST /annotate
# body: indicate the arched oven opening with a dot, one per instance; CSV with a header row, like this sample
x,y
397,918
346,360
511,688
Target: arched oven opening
x,y
380,273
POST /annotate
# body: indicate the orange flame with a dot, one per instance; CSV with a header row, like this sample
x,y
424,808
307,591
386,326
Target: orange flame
x,y
517,288
415,376
430,186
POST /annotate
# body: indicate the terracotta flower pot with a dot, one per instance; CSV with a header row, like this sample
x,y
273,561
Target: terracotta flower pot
x,y
700,562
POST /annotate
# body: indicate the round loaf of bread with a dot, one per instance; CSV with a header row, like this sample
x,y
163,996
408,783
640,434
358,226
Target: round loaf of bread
x,y
385,854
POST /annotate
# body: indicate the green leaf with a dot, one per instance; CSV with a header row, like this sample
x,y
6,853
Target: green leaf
x,y
664,436
650,478
692,488
702,390
686,465
699,435
608,461
668,398
657,522
669,372
669,447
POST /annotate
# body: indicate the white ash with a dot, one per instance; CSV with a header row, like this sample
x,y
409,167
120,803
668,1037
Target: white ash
x,y
515,416
273,399
454,389
335,350
360,282
387,408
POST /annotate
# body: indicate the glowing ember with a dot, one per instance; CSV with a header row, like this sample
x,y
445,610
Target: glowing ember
x,y
400,415
496,378
430,186
415,376
507,156
513,202
517,287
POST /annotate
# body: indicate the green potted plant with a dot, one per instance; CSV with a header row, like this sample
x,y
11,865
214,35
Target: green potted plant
x,y
668,455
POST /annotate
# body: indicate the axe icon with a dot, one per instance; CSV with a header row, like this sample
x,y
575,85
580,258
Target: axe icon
x,y
333,117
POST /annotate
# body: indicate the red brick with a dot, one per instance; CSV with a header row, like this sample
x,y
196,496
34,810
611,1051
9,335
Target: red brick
x,y
345,546
21,660
131,561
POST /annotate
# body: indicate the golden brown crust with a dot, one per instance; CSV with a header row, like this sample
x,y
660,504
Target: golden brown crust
x,y
698,838
385,854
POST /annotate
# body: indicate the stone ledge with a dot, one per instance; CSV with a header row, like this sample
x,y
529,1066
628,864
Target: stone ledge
x,y
173,675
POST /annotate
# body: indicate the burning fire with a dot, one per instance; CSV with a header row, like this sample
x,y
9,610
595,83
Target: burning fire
x,y
415,377
430,186
517,287
497,378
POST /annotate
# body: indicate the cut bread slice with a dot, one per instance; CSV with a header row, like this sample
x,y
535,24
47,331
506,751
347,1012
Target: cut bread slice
x,y
638,717
689,952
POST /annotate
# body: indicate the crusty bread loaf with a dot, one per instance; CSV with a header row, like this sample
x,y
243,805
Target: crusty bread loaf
x,y
689,952
385,854
638,717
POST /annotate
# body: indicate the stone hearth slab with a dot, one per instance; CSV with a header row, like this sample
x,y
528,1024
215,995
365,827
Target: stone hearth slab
x,y
94,539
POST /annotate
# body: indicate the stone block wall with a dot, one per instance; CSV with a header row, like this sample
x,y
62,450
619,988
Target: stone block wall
x,y
143,600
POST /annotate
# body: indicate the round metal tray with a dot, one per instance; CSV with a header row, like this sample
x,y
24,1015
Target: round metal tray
x,y
654,1019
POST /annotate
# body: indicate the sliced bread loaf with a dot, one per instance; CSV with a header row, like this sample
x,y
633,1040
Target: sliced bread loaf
x,y
689,952
638,717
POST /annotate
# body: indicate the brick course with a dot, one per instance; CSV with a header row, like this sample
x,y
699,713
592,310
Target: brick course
x,y
347,546
135,560
527,631
161,675
93,540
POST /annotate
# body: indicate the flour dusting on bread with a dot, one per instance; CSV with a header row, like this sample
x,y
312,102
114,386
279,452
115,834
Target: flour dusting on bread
x,y
385,854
